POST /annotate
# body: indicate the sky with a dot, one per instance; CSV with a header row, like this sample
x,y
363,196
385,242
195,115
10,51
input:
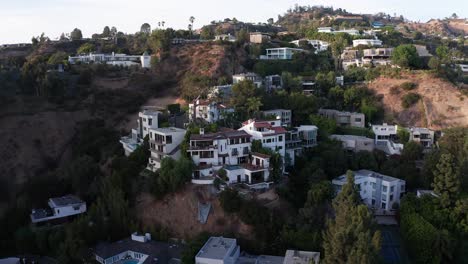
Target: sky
x,y
22,19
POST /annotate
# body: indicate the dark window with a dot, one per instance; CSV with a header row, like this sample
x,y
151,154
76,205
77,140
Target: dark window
x,y
150,121
280,138
168,139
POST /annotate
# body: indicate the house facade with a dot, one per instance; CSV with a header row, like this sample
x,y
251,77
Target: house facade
x,y
378,191
270,133
367,42
280,53
225,37
164,142
284,114
355,143
113,59
208,110
259,37
423,136
255,172
297,140
385,135
257,80
222,92
59,207
319,45
273,82
147,119
350,119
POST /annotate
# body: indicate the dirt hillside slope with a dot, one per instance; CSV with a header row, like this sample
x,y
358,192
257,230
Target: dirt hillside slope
x,y
442,105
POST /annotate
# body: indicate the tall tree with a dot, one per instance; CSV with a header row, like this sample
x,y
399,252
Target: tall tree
x,y
76,34
446,181
106,32
406,56
145,28
349,237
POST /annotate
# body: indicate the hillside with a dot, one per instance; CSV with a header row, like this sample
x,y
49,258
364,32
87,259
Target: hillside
x,y
442,105
448,27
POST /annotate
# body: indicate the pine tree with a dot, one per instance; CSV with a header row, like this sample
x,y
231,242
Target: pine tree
x,y
349,237
446,182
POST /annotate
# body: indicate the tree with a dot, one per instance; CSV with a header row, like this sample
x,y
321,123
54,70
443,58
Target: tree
x,y
270,21
145,28
190,27
106,32
230,200
349,237
406,56
412,151
59,57
253,105
86,48
241,92
446,182
403,135
76,34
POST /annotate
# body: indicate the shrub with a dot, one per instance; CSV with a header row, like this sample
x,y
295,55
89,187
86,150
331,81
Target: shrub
x,y
410,99
394,90
408,86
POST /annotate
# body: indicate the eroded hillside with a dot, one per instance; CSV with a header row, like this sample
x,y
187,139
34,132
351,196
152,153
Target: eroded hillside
x,y
442,105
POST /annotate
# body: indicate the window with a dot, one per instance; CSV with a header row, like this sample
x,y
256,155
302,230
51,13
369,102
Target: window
x,y
392,188
384,205
357,120
391,197
150,121
384,189
280,138
373,185
373,201
168,139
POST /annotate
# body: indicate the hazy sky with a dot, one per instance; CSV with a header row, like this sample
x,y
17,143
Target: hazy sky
x,y
22,19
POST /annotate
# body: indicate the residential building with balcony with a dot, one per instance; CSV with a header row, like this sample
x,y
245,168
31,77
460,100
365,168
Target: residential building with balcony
x,y
377,191
350,119
367,42
385,135
355,143
113,59
225,37
255,172
352,31
423,136
297,140
256,79
270,133
280,53
319,45
208,110
273,82
210,152
283,114
164,142
59,208
147,119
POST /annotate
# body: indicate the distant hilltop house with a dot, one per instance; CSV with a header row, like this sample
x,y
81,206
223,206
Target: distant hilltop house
x,y
16,45
113,59
377,191
280,53
225,37
353,32
222,92
253,77
208,110
59,208
284,114
344,118
138,249
355,143
423,136
367,42
270,82
221,250
350,19
318,45
369,57
259,37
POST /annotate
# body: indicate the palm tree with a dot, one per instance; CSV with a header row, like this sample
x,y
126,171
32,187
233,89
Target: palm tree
x,y
253,105
162,23
192,19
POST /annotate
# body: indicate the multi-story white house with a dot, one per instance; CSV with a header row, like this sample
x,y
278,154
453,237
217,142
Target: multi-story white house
x,y
270,133
297,140
283,114
280,53
113,59
319,45
385,135
422,135
59,208
355,143
147,119
377,190
208,110
257,80
256,172
344,118
367,42
138,249
164,142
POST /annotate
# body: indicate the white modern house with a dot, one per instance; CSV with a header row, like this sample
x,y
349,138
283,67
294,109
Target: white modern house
x,y
284,114
367,42
208,110
59,208
342,118
113,59
225,37
377,191
257,80
319,45
255,173
353,32
270,133
164,142
355,143
147,119
221,250
384,139
423,136
297,140
280,53
138,249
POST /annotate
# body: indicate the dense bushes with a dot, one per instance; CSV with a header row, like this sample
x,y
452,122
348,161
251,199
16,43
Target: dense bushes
x,y
410,99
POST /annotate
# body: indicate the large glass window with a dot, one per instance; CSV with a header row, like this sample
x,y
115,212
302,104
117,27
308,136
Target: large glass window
x,y
384,189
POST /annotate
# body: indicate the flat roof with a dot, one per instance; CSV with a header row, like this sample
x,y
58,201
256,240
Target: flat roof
x,y
366,173
221,135
66,200
216,248
350,137
167,129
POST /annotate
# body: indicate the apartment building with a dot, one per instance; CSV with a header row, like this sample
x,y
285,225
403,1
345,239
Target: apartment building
x,y
280,53
385,135
422,135
116,59
270,133
355,143
377,191
164,142
367,42
147,119
208,110
256,79
344,118
283,114
59,208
